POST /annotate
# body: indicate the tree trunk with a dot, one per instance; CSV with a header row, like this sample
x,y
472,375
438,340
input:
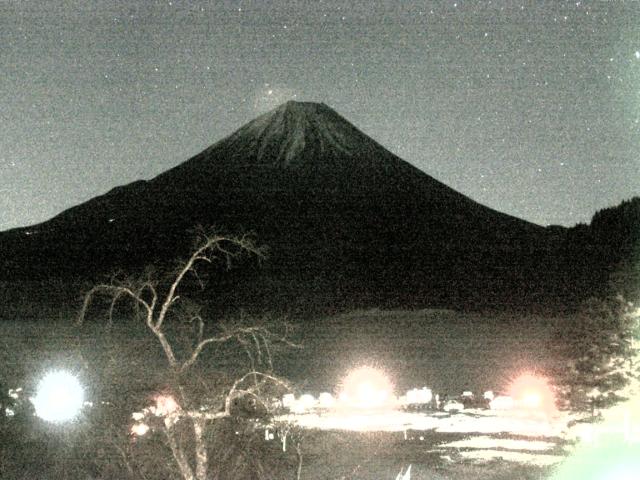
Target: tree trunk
x,y
202,461
299,452
178,454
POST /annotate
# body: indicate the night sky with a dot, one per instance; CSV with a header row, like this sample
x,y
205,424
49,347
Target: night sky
x,y
531,108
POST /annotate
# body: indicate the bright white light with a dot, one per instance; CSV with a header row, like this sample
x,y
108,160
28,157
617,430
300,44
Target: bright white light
x,y
531,400
623,472
15,393
139,429
502,402
165,405
326,400
418,397
366,387
59,398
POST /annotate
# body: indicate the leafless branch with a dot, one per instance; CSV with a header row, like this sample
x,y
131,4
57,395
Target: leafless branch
x,y
235,390
200,327
112,291
112,307
206,252
156,299
257,334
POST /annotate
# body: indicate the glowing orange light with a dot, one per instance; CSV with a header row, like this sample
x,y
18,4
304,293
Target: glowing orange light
x,y
366,387
532,392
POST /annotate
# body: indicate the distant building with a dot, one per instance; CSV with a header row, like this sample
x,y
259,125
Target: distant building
x,y
420,396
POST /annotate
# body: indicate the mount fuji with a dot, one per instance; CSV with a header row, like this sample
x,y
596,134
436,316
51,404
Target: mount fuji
x,y
346,221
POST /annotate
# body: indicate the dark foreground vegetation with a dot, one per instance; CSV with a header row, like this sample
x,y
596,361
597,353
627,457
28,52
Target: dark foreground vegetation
x,y
124,369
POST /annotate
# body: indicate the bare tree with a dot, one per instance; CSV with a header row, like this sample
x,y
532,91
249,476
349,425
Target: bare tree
x,y
290,433
157,301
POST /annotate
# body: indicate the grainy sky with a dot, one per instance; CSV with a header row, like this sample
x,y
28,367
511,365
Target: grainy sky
x,y
531,108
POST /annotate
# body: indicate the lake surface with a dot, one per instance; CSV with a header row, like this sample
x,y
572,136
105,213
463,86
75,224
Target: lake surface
x,y
444,350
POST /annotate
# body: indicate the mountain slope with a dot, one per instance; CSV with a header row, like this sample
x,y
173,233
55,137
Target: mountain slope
x,y
346,221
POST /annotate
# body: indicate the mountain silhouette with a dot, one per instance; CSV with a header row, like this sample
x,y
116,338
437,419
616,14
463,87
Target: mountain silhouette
x,y
346,221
